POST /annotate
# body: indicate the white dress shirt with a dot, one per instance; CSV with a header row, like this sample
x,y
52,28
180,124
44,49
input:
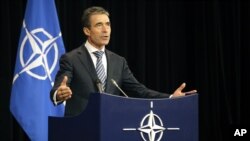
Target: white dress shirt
x,y
92,49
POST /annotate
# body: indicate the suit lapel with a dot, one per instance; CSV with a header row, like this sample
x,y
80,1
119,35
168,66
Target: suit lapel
x,y
110,68
86,60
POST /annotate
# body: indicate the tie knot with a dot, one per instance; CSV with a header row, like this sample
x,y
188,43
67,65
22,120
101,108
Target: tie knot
x,y
98,54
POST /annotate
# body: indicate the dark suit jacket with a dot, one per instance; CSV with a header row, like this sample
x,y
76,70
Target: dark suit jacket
x,y
79,68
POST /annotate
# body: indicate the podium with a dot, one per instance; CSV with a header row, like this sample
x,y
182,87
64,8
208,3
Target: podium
x,y
114,118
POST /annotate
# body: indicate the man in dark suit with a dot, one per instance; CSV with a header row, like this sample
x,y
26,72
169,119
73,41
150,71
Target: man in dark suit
x,y
91,65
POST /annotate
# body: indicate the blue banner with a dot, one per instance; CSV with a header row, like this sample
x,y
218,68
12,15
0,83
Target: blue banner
x,y
40,47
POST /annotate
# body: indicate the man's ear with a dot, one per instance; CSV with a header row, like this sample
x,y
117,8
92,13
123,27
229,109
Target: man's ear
x,y
86,31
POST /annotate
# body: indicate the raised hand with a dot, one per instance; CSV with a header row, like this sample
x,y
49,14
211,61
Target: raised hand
x,y
63,91
178,92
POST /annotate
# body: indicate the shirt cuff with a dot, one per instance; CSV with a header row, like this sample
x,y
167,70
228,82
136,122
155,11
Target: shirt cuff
x,y
56,102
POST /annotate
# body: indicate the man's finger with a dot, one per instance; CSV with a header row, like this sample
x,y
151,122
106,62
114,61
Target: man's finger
x,y
183,85
190,92
64,82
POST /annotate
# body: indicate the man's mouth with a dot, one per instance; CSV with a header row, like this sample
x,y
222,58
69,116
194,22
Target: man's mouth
x,y
105,37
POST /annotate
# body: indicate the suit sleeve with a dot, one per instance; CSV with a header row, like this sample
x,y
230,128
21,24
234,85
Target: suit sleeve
x,y
66,69
134,88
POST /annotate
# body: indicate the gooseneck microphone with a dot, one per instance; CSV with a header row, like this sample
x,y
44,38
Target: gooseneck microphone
x,y
113,82
99,86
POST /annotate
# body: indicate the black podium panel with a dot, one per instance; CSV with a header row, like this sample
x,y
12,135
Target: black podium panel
x,y
113,118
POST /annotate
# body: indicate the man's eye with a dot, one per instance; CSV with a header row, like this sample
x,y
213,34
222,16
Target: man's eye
x,y
98,25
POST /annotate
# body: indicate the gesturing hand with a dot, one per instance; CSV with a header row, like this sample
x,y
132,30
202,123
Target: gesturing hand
x,y
63,91
178,92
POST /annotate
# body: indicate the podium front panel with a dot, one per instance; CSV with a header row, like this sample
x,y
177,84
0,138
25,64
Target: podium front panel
x,y
115,118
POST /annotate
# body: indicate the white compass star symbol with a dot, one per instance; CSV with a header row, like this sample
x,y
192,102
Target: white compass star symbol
x,y
151,128
37,51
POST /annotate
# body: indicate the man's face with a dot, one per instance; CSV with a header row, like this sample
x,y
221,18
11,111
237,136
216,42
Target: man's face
x,y
99,31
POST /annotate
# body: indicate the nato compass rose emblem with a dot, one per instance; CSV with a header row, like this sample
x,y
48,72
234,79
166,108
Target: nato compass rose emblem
x,y
151,127
35,48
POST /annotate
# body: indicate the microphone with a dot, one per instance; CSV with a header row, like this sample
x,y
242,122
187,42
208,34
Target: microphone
x,y
99,86
113,82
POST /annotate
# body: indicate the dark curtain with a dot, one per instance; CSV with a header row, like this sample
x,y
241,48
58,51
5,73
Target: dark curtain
x,y
166,42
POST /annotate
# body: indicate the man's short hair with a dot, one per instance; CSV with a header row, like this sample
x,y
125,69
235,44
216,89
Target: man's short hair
x,y
92,11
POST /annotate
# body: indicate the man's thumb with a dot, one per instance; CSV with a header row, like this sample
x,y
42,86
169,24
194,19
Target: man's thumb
x,y
64,82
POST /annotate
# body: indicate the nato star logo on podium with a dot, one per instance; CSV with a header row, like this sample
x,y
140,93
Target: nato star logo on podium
x,y
151,127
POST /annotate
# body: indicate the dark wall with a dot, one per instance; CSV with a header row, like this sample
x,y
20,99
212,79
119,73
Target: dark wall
x,y
166,42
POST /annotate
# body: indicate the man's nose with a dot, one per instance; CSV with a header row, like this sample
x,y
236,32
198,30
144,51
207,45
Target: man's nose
x,y
105,28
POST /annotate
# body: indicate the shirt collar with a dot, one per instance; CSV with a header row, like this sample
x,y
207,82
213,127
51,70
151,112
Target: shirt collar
x,y
91,48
